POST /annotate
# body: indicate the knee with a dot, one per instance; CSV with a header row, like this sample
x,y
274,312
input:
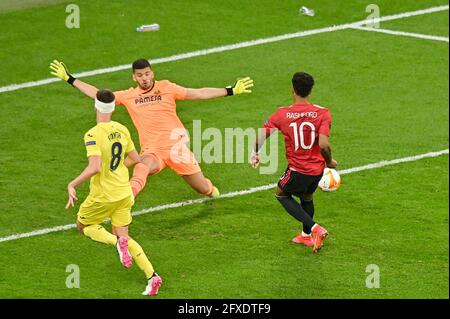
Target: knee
x,y
306,197
80,227
152,170
279,193
151,165
141,171
148,168
280,197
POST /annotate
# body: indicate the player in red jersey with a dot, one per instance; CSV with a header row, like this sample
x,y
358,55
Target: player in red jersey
x,y
306,128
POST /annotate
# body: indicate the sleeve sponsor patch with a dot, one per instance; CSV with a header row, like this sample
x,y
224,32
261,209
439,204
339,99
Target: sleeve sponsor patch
x,y
90,143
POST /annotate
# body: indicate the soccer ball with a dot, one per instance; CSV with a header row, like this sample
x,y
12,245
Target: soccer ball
x,y
330,180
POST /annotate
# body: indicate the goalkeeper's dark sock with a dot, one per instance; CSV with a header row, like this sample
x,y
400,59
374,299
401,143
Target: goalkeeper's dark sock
x,y
295,210
308,206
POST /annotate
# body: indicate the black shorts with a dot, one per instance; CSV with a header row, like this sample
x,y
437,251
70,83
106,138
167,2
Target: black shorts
x,y
295,183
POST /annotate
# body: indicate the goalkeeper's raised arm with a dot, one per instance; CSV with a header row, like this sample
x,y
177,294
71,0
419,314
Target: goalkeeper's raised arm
x,y
241,86
59,70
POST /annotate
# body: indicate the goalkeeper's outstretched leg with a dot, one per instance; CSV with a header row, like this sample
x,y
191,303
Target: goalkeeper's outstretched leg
x,y
202,185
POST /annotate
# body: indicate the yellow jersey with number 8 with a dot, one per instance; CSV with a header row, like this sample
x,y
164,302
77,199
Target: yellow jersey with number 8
x,y
111,141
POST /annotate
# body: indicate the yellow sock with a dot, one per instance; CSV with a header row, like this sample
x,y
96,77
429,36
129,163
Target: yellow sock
x,y
140,258
98,233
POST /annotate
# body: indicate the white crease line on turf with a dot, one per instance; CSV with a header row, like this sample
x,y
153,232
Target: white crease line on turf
x,y
232,194
402,33
188,55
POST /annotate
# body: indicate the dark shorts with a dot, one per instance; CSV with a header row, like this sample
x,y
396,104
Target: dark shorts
x,y
295,183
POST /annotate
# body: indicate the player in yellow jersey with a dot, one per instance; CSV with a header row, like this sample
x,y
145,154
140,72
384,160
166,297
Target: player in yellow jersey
x,y
163,137
110,194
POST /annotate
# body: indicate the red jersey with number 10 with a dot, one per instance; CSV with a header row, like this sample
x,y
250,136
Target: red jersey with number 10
x,y
301,125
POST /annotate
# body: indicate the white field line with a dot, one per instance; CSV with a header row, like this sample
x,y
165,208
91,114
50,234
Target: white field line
x,y
188,55
230,195
402,33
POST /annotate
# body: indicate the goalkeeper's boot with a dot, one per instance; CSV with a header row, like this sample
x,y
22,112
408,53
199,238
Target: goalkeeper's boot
x,y
124,253
153,285
318,235
303,240
215,193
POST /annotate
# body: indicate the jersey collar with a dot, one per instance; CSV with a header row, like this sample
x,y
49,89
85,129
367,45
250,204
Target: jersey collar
x,y
149,90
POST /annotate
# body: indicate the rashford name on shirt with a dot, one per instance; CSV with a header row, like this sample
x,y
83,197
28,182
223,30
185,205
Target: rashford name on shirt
x,y
296,115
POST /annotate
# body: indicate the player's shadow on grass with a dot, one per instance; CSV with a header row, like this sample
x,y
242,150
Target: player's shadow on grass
x,y
181,221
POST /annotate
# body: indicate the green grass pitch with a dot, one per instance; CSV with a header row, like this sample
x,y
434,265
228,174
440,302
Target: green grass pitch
x,y
389,99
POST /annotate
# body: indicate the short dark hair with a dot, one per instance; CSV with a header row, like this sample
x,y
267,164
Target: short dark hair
x,y
302,83
105,96
141,64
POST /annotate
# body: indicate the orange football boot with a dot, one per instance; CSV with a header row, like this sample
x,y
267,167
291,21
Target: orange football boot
x,y
303,240
318,235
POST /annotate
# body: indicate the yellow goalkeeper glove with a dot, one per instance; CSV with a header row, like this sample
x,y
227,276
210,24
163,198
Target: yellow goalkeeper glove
x,y
241,86
60,70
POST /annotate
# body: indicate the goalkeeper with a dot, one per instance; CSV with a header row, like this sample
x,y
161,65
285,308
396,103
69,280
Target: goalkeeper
x,y
162,136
